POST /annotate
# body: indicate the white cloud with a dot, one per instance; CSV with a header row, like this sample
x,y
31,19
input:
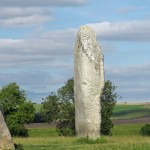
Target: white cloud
x,y
10,12
43,46
132,81
127,9
135,30
141,71
25,3
24,21
47,49
26,16
22,13
54,43
39,64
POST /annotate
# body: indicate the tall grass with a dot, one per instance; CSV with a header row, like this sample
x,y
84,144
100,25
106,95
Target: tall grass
x,y
125,137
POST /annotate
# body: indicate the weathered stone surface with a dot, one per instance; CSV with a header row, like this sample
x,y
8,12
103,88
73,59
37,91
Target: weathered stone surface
x,y
5,137
88,83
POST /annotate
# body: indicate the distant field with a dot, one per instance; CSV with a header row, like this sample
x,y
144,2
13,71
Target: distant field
x,y
123,111
37,107
128,111
125,137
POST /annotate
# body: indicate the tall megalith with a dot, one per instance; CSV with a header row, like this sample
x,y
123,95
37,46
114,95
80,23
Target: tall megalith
x,y
88,83
6,142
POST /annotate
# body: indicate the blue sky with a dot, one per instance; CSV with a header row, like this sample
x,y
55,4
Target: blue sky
x,y
37,41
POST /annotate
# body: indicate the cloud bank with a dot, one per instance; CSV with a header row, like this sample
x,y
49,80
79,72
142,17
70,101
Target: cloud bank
x,y
22,13
22,17
132,81
26,3
47,46
43,61
135,30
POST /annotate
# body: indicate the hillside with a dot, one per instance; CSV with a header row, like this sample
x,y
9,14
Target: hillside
x,y
131,111
123,113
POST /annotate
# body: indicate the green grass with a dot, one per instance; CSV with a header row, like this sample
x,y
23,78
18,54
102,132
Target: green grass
x,y
37,107
125,137
127,130
131,111
43,132
127,107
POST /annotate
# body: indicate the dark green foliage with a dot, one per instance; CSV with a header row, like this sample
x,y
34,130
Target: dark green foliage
x,y
17,110
15,125
50,108
66,115
66,92
66,120
145,130
38,118
19,147
108,101
65,128
11,97
61,107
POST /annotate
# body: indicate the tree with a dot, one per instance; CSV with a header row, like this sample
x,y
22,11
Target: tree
x,y
66,116
65,113
50,109
17,110
108,101
60,108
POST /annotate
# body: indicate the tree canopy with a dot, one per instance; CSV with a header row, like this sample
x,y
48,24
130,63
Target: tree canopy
x,y
16,108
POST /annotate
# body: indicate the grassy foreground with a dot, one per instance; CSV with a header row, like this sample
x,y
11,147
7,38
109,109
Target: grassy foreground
x,y
125,137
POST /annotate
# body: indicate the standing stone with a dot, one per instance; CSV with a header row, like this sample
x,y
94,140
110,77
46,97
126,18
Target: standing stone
x,y
88,83
5,137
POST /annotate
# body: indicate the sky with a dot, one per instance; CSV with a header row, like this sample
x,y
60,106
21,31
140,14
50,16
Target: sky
x,y
37,40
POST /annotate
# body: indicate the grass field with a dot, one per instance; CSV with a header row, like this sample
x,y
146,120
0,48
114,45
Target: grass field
x,y
125,137
37,107
128,111
123,111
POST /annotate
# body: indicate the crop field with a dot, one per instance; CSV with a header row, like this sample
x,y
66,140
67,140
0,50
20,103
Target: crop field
x,y
37,107
125,137
123,111
127,111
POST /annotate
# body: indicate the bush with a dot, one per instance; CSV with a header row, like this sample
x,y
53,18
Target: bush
x,y
145,130
108,101
16,128
18,146
65,128
61,107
